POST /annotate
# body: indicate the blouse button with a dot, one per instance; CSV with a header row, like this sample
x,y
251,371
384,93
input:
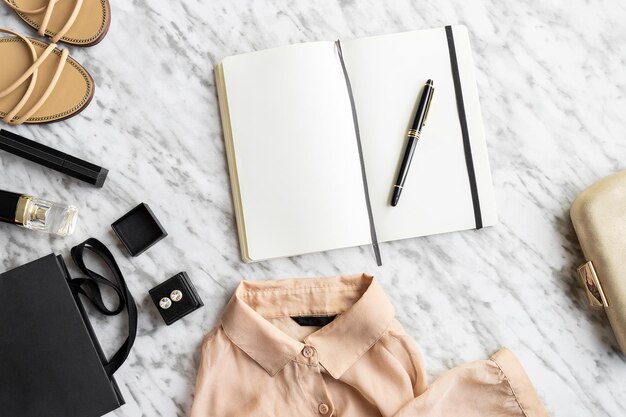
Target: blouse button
x,y
323,408
308,351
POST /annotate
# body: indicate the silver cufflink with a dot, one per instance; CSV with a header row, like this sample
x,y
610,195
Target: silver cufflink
x,y
165,303
176,296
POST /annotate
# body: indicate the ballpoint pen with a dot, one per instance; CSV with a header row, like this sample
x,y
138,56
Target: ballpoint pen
x,y
413,136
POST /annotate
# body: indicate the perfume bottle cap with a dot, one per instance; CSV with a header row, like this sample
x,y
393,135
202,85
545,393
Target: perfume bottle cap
x,y
139,229
8,206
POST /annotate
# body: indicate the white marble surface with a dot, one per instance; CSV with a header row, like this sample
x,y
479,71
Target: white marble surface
x,y
553,92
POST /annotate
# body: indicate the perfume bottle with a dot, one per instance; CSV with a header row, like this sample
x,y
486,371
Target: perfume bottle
x,y
37,214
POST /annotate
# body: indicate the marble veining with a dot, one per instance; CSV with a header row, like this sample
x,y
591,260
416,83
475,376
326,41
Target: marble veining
x,y
553,91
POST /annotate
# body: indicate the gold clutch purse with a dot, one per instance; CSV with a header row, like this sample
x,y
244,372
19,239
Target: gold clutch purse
x,y
599,218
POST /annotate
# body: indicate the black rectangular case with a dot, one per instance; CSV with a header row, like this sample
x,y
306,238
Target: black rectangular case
x,y
51,364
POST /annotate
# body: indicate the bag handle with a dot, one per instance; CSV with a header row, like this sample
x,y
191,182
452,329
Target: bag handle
x,y
90,288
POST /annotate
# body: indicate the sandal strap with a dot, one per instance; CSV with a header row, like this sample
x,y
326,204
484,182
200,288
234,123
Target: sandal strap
x,y
46,18
48,9
68,24
32,72
46,94
33,11
33,79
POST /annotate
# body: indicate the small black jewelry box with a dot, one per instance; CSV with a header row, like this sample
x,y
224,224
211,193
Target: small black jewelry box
x,y
175,298
139,229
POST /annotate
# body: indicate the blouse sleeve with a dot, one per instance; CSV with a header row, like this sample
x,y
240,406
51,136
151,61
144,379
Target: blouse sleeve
x,y
497,387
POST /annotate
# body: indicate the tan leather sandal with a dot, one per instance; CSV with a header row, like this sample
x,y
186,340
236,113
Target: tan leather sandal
x,y
76,22
40,83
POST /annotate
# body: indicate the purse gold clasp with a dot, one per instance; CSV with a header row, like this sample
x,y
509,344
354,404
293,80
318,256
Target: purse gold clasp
x,y
593,288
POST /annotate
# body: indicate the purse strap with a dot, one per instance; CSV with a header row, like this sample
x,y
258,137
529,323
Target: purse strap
x,y
89,286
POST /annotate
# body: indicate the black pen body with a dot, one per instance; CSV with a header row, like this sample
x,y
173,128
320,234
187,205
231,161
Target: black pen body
x,y
413,136
422,108
404,169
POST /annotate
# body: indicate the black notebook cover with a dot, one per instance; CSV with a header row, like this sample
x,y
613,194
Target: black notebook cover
x,y
50,360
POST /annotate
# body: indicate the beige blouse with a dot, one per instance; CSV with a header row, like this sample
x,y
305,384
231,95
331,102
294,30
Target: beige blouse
x,y
260,362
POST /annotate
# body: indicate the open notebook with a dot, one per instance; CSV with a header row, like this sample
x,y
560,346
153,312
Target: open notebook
x,y
298,167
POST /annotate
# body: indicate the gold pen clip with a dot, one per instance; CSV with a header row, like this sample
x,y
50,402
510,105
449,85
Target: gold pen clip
x,y
430,100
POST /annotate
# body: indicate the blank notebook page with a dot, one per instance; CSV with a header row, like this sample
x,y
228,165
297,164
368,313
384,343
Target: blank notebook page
x,y
388,74
295,151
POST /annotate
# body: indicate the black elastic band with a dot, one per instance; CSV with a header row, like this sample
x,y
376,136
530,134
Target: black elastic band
x,y
469,160
379,262
90,288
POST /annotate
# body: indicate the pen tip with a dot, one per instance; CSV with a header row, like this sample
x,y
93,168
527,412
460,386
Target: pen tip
x,y
429,81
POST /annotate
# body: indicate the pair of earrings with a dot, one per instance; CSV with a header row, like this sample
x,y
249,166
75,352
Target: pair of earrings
x,y
166,302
